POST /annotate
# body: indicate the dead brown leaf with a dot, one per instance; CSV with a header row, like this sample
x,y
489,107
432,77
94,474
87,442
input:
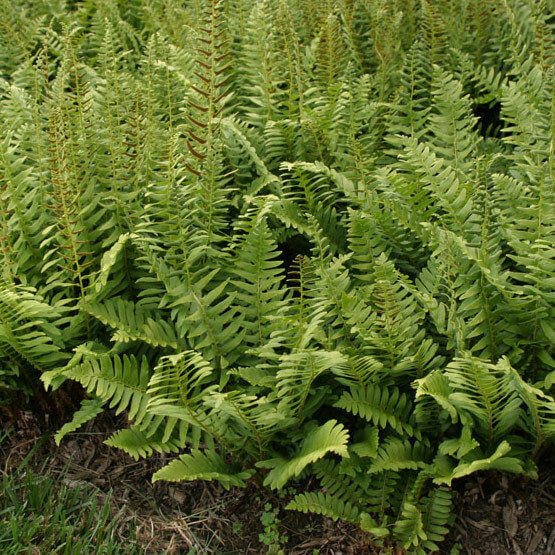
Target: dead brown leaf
x,y
510,520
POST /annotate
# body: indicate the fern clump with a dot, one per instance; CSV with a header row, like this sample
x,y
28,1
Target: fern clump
x,y
279,237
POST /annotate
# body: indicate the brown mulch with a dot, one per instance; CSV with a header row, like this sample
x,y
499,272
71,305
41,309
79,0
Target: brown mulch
x,y
496,514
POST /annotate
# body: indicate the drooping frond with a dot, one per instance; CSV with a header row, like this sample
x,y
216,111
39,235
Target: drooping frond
x,y
89,409
331,437
199,465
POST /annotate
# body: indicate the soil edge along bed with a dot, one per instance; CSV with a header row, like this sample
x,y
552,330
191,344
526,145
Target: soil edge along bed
x,y
494,514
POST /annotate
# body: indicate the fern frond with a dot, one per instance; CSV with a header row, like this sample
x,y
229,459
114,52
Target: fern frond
x,y
132,323
297,374
259,278
330,437
409,528
175,387
381,406
118,380
198,465
436,510
540,405
90,408
479,389
138,444
30,340
324,504
497,461
396,454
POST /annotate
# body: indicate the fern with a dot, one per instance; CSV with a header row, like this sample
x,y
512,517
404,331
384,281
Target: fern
x,y
120,380
309,238
330,437
202,466
496,461
137,444
479,390
30,340
396,455
89,409
324,504
132,324
379,406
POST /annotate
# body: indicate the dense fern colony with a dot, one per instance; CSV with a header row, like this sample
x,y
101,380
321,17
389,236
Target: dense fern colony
x,y
289,238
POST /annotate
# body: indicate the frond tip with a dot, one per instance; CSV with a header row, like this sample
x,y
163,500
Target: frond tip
x,y
329,438
207,465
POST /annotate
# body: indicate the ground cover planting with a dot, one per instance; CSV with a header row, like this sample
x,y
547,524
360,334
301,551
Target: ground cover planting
x,y
300,245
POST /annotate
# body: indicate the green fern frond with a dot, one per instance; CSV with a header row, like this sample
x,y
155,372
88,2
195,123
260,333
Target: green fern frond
x,y
90,408
235,221
436,385
138,445
540,405
396,454
330,437
479,389
119,381
175,386
297,374
30,340
132,323
497,461
198,465
324,504
409,528
437,515
259,278
451,123
381,406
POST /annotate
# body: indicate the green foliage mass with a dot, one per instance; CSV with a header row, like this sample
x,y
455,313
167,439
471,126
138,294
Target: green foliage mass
x,y
288,238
